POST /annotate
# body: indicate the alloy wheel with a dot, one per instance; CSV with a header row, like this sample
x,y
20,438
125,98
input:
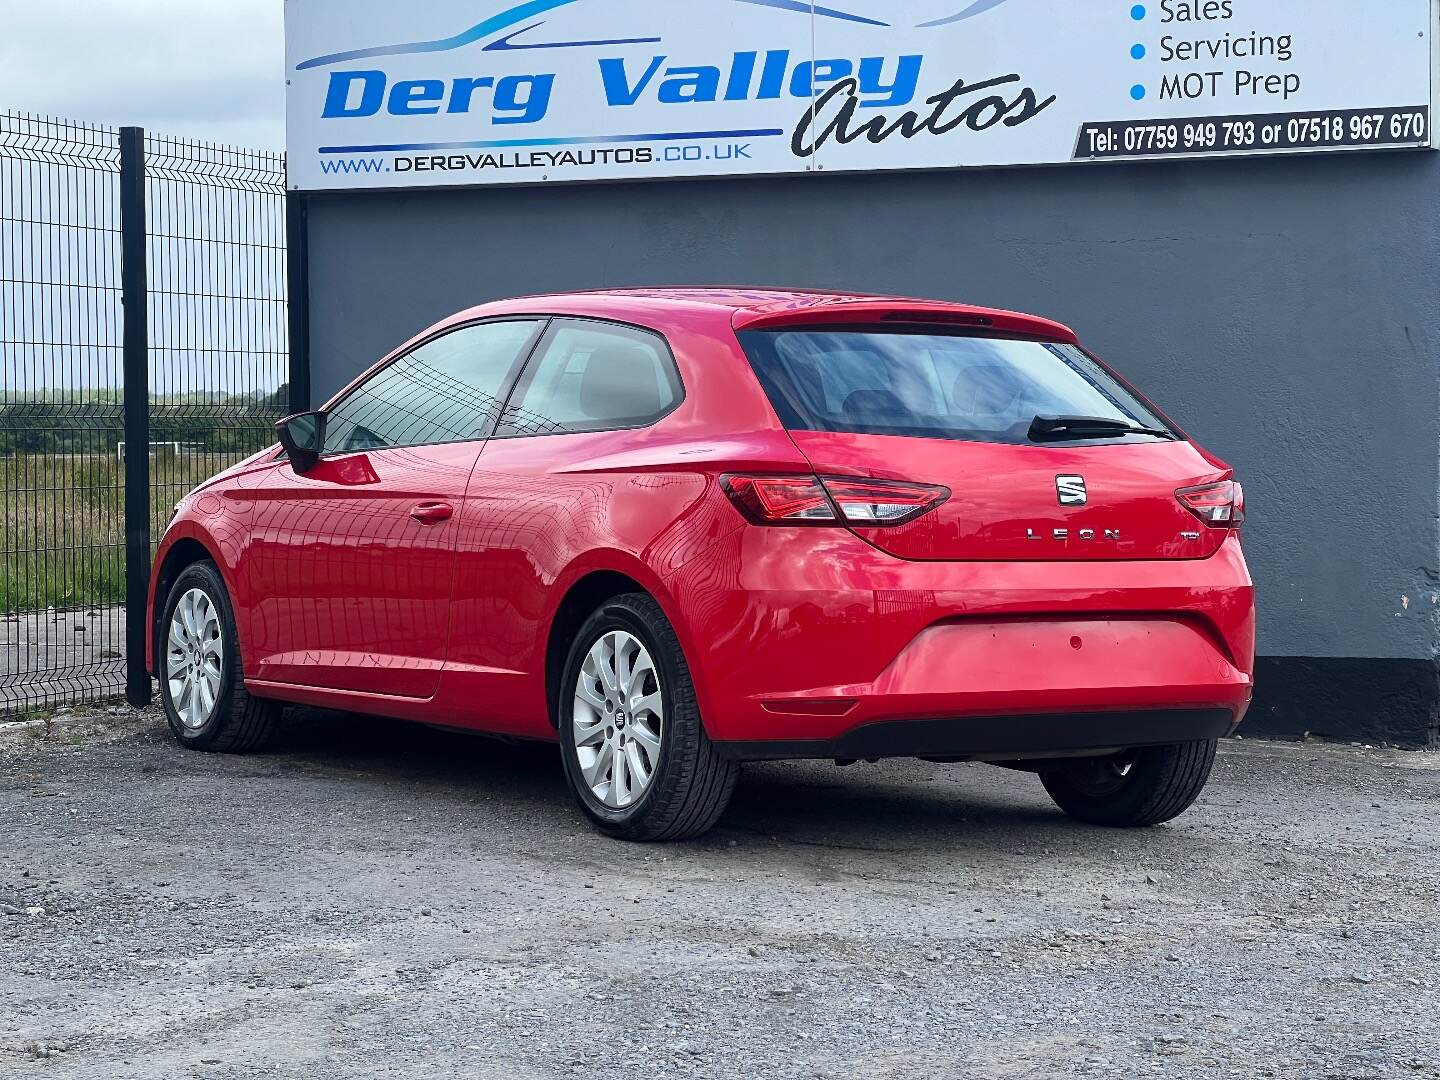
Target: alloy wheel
x,y
194,658
619,718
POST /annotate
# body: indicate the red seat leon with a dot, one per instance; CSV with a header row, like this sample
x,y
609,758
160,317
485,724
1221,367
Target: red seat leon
x,y
677,530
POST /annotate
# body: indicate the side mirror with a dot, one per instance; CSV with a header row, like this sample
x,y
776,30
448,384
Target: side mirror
x,y
303,437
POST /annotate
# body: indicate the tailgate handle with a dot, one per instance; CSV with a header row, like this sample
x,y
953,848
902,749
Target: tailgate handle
x,y
432,513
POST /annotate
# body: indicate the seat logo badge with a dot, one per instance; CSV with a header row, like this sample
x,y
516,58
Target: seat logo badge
x,y
1071,490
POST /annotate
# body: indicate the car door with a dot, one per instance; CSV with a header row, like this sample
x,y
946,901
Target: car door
x,y
350,566
535,501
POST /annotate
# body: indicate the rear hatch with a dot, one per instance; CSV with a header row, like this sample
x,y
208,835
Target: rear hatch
x,y
1044,453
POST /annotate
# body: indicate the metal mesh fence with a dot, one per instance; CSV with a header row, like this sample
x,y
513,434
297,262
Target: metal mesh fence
x,y
219,348
62,553
218,360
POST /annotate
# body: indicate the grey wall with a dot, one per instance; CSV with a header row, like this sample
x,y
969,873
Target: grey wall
x,y
1286,312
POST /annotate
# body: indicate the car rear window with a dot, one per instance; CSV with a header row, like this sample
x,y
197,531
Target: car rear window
x,y
933,385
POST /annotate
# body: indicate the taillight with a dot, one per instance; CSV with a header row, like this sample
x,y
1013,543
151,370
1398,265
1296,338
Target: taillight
x,y
780,500
1221,506
813,500
883,502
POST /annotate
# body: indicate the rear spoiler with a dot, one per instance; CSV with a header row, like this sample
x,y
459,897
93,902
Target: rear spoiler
x,y
906,312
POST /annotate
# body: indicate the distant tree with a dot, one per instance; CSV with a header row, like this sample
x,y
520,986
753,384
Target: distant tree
x,y
279,400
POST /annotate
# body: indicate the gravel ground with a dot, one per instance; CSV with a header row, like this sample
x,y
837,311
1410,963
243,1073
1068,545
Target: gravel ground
x,y
375,899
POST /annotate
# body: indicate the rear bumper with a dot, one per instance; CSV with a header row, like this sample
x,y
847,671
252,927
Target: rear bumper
x,y
999,738
812,643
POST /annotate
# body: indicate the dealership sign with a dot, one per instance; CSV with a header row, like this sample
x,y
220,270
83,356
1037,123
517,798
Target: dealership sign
x,y
461,92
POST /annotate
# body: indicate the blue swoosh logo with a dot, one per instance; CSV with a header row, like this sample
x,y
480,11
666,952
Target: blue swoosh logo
x,y
977,8
509,44
523,12
478,32
807,8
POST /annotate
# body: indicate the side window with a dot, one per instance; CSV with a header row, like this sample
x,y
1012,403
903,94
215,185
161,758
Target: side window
x,y
593,377
447,390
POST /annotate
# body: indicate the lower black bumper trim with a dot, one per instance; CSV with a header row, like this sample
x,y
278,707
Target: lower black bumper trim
x,y
998,737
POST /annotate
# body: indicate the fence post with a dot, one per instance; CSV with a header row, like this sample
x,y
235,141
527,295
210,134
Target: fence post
x,y
297,239
134,289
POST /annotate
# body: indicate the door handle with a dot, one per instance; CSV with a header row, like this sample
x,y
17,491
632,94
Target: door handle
x,y
432,513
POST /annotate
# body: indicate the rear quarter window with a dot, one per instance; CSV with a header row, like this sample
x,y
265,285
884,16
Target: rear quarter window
x,y
591,376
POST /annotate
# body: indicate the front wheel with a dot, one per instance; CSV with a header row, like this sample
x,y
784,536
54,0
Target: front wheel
x,y
636,754
202,687
1133,789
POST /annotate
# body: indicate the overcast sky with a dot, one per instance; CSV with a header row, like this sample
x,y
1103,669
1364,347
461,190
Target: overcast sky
x,y
209,69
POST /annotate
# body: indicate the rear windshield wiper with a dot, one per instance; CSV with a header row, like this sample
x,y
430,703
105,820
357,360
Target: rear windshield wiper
x,y
1062,428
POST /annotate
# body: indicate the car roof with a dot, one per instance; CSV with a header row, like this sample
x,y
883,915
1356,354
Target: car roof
x,y
755,308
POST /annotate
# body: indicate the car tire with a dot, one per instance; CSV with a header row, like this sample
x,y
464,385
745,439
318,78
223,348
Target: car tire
x,y
206,703
1135,789
638,774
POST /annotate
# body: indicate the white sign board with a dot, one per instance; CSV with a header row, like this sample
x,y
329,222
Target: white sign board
x,y
462,92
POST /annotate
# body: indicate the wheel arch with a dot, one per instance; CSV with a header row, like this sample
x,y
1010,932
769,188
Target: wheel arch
x,y
183,553
586,594
589,584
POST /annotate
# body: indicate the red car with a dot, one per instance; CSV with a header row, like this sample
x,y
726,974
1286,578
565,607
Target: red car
x,y
681,529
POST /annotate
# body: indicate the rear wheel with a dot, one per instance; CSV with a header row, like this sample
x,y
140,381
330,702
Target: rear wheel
x,y
202,689
636,754
1136,788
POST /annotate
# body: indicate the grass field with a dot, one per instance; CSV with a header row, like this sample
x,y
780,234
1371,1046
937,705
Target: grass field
x,y
62,528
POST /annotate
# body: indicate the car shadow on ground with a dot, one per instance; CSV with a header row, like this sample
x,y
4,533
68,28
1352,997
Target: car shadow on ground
x,y
889,806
